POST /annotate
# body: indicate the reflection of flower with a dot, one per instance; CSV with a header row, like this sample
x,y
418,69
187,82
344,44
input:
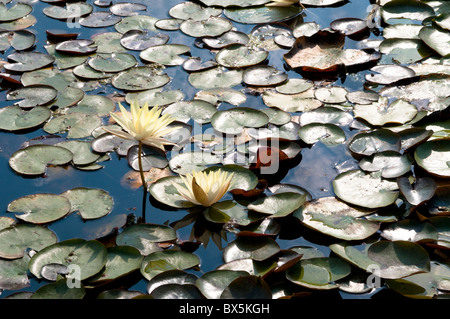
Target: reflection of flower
x,y
203,188
144,125
281,3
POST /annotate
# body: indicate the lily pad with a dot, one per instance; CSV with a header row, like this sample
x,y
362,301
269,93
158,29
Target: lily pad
x,y
40,208
184,163
434,157
418,192
200,111
368,143
410,230
13,274
404,51
247,287
437,39
59,290
155,97
214,78
99,19
17,238
211,27
194,11
328,134
33,160
389,74
301,102
139,78
213,283
19,40
261,14
144,237
278,205
232,3
226,39
138,22
14,118
89,255
171,278
256,248
324,115
160,261
28,61
126,9
263,76
166,54
335,218
139,40
238,55
69,11
17,11
78,125
164,191
112,62
91,203
406,9
318,273
234,120
391,164
364,189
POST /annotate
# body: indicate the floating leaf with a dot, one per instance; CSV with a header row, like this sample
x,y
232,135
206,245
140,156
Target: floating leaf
x,y
391,164
261,14
142,39
211,27
263,76
33,160
125,9
13,273
301,102
328,134
59,290
232,3
151,157
200,111
437,39
160,261
138,79
78,125
166,54
278,205
217,77
226,39
238,55
404,51
17,11
16,239
13,118
247,287
28,61
91,203
365,190
194,11
256,248
389,74
40,208
420,191
406,9
155,97
234,120
213,283
99,19
368,143
410,230
434,157
89,255
184,163
69,11
164,191
112,62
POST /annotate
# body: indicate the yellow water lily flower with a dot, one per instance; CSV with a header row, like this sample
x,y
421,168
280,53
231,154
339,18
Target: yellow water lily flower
x,y
205,189
281,3
143,124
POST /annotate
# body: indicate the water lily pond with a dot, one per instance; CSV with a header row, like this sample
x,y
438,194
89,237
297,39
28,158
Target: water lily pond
x,y
307,152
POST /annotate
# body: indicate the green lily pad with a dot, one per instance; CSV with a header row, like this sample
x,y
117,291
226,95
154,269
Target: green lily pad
x,y
184,163
443,20
160,261
374,142
14,118
151,157
121,260
278,205
69,11
300,102
434,157
78,125
410,230
399,259
218,77
112,62
89,255
19,40
391,164
261,14
164,191
33,160
233,3
169,24
364,189
211,27
215,96
17,11
166,54
321,3
91,203
19,24
171,277
139,40
200,111
81,150
95,105
28,61
381,112
59,290
247,287
318,273
439,203
14,273
326,115
138,79
404,51
406,9
256,248
108,42
155,97
65,60
335,218
194,11
213,283
331,94
17,238
137,22
144,237
40,208
238,56
294,86
125,9
429,285
418,192
328,134
263,75
387,74
6,222
99,19
234,120
437,39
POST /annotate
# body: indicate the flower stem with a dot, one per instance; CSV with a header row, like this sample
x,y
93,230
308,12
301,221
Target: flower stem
x,y
144,183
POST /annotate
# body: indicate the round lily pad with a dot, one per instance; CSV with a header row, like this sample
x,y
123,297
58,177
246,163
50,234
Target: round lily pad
x,y
261,14
138,22
70,11
247,287
169,24
184,163
139,40
278,205
391,164
91,203
410,230
194,11
99,19
59,290
418,192
335,218
234,120
151,157
155,97
364,189
256,248
160,261
108,42
28,61
238,55
19,24
226,39
17,11
19,40
199,111
294,86
171,277
40,208
301,102
126,9
33,160
233,3
138,79
324,115
194,64
33,95
434,157
164,191
368,143
404,51
89,255
78,125
406,9
263,76
349,26
16,239
437,39
389,73
331,94
211,27
214,78
166,54
112,62
213,283
328,134
14,274
85,72
14,118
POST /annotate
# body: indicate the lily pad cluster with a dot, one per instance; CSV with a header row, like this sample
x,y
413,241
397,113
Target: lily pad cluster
x,y
385,225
